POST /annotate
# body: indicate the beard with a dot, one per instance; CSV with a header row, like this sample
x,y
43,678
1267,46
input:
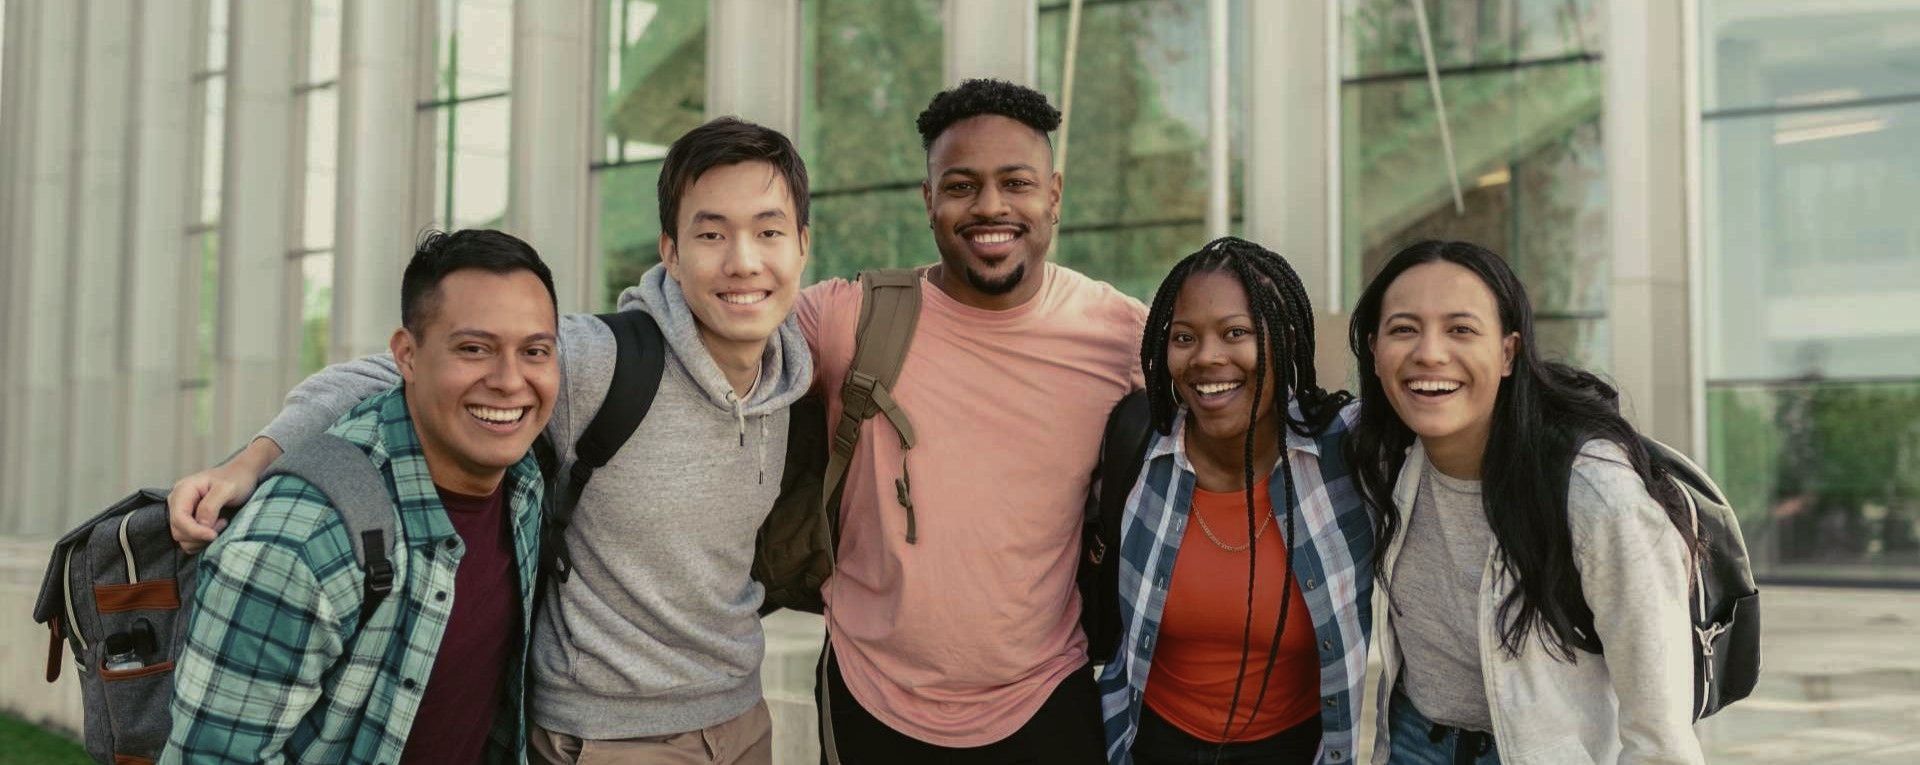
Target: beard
x,y
1001,286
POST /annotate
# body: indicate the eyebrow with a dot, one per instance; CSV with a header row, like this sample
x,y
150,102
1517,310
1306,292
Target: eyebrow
x,y
1455,315
485,335
1004,169
1229,317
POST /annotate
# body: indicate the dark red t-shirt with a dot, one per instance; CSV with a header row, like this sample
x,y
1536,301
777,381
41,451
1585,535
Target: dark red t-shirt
x,y
464,691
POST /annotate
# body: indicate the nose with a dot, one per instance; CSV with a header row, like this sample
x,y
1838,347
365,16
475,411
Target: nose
x,y
1211,353
1430,349
507,374
990,203
743,257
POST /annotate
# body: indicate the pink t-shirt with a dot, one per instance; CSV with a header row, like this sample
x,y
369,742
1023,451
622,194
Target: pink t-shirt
x,y
958,639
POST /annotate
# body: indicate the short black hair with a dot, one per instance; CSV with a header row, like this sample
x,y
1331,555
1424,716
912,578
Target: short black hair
x,y
977,97
440,253
727,141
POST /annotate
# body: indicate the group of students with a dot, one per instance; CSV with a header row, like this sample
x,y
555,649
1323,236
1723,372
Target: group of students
x,y
1508,515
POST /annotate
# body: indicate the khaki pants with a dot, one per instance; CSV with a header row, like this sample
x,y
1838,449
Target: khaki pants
x,y
743,740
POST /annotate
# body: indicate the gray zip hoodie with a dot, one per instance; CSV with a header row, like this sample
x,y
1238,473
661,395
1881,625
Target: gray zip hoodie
x,y
657,630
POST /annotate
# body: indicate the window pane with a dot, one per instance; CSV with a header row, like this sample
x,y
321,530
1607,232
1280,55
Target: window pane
x,y
213,146
871,68
1812,244
656,65
629,225
316,305
323,41
1825,476
1528,146
474,48
1801,52
323,137
470,160
1380,37
1137,153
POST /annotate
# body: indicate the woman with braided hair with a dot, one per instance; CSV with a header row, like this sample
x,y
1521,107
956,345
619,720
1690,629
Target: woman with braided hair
x,y
1245,569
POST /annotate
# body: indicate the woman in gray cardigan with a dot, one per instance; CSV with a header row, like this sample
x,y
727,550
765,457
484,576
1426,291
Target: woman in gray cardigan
x,y
1523,526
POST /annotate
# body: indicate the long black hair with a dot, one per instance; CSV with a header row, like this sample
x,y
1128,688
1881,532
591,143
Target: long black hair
x,y
1283,327
1544,413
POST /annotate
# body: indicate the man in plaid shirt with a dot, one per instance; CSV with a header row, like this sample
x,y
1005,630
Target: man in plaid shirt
x,y
279,665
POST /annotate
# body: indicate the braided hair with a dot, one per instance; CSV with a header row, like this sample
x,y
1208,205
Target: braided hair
x,y
1283,327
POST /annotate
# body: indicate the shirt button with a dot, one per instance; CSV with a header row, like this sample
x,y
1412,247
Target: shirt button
x,y
440,596
452,543
1312,583
1335,755
408,684
1326,645
1331,702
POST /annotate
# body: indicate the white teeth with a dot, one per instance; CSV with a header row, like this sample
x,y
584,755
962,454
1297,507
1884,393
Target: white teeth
x,y
993,237
1433,386
744,298
1214,389
501,416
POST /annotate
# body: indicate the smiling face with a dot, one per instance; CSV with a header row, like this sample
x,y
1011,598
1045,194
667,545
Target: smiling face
x,y
481,375
1440,354
738,256
992,199
1212,350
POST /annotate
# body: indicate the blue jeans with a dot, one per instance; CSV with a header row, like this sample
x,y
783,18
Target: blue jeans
x,y
1418,741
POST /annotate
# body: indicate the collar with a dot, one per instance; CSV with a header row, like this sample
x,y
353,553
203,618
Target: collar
x,y
423,518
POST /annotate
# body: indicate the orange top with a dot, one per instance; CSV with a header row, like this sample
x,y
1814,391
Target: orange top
x,y
1191,682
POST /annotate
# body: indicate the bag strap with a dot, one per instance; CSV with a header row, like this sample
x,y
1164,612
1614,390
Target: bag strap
x,y
638,366
1122,447
341,470
889,311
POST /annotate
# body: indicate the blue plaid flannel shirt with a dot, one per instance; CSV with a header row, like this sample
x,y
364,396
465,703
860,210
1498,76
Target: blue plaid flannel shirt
x,y
1334,568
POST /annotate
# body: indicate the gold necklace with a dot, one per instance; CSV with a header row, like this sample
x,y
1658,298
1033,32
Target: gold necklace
x,y
1265,521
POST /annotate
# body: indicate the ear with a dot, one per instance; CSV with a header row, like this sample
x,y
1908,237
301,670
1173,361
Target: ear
x,y
670,255
1509,345
806,242
403,347
1053,197
926,198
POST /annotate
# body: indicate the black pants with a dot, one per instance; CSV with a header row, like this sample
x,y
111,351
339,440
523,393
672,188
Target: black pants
x,y
1067,730
1160,743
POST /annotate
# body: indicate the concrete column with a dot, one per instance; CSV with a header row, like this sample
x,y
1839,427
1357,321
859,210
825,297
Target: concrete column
x,y
1646,209
38,229
991,38
753,62
551,138
95,257
156,214
374,225
254,221
1291,178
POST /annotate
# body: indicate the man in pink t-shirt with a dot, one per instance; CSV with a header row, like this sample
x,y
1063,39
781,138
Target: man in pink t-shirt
x,y
962,643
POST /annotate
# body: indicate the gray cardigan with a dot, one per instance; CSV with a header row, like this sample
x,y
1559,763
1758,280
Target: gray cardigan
x,y
1632,705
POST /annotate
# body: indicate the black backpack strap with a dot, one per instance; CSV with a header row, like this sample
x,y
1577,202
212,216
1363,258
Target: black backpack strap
x,y
637,369
342,471
1123,448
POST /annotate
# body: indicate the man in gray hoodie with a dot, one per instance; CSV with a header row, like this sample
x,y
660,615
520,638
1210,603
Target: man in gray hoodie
x,y
651,649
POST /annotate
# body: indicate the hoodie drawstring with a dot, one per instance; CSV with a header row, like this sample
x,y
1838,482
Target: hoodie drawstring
x,y
740,414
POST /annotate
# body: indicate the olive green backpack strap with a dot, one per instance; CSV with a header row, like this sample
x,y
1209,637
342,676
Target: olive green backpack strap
x,y
889,309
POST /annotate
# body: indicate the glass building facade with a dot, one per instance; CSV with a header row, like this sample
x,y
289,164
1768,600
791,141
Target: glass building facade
x,y
1797,255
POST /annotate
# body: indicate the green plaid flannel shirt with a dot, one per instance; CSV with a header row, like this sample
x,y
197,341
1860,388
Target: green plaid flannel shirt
x,y
277,667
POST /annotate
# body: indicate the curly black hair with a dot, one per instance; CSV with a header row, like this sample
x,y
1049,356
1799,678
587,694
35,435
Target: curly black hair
x,y
976,97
